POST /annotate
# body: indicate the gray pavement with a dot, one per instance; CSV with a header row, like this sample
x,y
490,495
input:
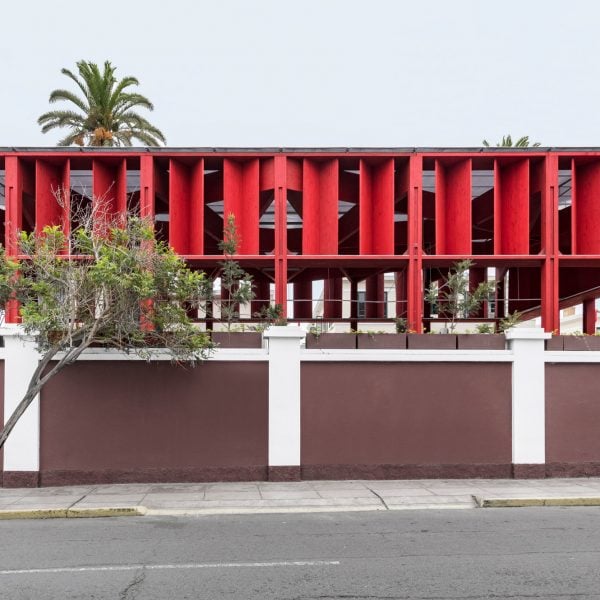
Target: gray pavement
x,y
305,496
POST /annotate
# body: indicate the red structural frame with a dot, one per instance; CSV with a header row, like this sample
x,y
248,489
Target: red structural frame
x,y
327,214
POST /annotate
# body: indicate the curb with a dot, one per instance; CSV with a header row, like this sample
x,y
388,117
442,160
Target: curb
x,y
525,502
71,513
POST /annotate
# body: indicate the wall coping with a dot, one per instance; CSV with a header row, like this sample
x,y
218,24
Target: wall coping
x,y
527,333
285,331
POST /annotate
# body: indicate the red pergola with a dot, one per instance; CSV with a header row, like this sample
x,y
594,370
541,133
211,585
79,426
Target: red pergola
x,y
303,215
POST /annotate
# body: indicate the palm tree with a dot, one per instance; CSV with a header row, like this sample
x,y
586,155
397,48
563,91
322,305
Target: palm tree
x,y
106,115
522,142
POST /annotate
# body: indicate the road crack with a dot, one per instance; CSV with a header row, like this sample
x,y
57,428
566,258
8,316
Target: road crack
x,y
130,592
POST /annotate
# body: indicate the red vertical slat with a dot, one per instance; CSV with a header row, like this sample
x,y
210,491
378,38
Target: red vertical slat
x,y
196,235
179,206
49,181
587,217
457,214
514,207
376,207
241,198
104,186
440,208
121,187
320,207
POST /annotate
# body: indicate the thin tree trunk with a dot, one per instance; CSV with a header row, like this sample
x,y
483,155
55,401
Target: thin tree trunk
x,y
37,382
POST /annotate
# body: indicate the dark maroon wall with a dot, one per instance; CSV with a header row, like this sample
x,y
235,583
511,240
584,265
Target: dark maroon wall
x,y
573,419
134,421
1,414
406,419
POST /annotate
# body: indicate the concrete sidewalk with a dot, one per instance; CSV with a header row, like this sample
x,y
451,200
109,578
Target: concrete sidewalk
x,y
305,496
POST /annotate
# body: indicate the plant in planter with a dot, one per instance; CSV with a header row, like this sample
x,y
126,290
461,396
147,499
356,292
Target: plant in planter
x,y
318,339
236,291
453,298
236,284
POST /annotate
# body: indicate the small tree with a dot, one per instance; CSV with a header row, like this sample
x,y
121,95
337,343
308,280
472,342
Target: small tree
x,y
453,297
108,282
236,284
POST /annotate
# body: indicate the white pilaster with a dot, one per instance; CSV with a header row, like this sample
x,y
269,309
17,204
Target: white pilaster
x,y
284,395
22,448
528,395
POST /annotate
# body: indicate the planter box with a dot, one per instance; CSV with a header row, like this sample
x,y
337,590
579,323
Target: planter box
x,y
381,341
556,343
582,342
481,341
331,341
237,339
438,341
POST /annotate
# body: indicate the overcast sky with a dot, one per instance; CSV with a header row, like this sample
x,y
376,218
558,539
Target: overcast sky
x,y
318,72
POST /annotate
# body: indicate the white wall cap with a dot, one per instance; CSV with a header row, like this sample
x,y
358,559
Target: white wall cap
x,y
285,331
527,333
9,329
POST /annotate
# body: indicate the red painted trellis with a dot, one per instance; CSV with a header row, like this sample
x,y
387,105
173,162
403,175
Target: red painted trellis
x,y
306,215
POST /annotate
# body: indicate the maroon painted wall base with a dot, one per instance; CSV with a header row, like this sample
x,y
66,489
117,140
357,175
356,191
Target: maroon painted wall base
x,y
529,471
21,479
488,471
589,469
284,473
189,475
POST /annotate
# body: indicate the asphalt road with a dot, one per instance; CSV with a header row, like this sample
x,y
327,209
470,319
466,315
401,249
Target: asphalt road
x,y
471,554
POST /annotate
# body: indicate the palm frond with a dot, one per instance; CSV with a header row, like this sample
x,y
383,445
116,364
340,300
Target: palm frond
x,y
59,95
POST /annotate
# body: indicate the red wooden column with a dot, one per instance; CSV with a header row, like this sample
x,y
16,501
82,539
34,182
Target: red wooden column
x,y
262,292
354,304
375,296
303,299
241,198
147,187
453,228
332,298
14,220
376,207
511,207
415,244
400,280
51,191
550,309
589,316
281,251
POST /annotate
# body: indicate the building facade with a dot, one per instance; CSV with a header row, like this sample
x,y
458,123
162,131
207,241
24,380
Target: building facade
x,y
346,218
